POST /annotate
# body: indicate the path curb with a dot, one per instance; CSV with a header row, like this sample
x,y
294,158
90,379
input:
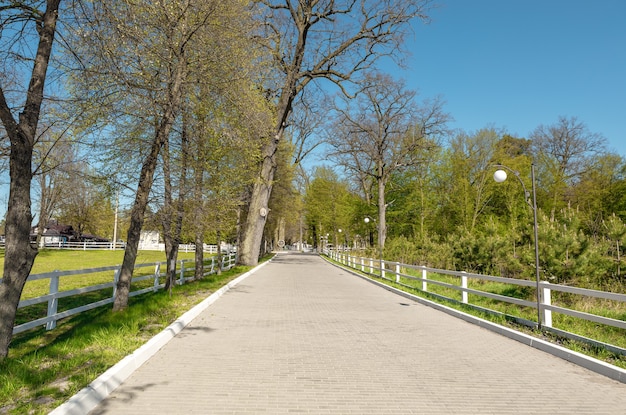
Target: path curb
x,y
90,396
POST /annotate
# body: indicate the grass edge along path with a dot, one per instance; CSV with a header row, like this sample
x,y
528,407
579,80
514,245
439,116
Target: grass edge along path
x,y
501,319
45,368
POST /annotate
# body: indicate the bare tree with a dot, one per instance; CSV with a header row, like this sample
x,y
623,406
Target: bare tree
x,y
52,156
310,40
564,151
383,131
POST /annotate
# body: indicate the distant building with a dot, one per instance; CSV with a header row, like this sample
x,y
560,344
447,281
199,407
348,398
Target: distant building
x,y
149,240
56,235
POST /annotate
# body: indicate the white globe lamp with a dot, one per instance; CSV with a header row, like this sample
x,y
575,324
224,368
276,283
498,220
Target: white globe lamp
x,y
499,176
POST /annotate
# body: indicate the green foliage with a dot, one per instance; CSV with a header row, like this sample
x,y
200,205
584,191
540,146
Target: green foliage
x,y
482,251
448,212
330,207
402,250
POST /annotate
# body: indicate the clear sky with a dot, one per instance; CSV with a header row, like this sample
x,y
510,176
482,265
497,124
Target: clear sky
x,y
517,64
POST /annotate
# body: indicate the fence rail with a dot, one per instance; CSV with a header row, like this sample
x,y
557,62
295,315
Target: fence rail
x,y
381,268
93,245
52,298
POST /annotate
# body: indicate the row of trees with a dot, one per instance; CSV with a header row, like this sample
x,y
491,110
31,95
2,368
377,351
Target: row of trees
x,y
447,211
183,106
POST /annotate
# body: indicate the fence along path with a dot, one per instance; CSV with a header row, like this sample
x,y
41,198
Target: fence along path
x,y
54,294
300,335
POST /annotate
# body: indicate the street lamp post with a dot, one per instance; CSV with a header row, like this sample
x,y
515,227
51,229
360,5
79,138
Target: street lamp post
x,y
500,176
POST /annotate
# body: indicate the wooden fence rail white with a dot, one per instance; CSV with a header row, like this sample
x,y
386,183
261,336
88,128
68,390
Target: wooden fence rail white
x,y
54,294
93,245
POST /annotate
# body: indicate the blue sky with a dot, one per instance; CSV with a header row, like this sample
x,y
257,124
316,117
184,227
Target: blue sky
x,y
517,64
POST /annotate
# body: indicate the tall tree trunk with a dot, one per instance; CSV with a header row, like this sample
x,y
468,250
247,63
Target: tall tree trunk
x,y
252,232
19,254
382,216
199,254
146,179
171,244
198,214
220,257
173,223
252,228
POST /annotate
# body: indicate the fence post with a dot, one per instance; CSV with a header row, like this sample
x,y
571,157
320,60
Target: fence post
x,y
157,274
382,269
53,302
182,273
464,286
424,278
397,272
547,300
362,264
371,265
116,278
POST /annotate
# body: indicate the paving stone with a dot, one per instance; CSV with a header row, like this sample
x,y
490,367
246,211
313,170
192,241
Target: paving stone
x,y
301,336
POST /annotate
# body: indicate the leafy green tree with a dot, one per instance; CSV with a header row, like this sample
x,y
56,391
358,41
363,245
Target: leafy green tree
x,y
568,255
614,231
415,201
615,198
383,131
137,61
83,204
53,158
592,192
467,187
330,206
482,250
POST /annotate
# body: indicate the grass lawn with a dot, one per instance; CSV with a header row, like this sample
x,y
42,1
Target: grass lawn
x,y
45,368
49,260
55,259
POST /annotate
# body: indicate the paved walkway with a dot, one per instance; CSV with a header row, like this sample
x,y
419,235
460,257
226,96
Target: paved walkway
x,y
302,336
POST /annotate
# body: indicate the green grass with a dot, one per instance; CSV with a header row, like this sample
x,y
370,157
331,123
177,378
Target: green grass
x,y
45,368
61,260
49,260
599,332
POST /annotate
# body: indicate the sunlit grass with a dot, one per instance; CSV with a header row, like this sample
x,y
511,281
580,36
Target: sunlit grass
x,y
49,260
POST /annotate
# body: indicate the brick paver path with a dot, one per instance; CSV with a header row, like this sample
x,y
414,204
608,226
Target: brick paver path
x,y
302,336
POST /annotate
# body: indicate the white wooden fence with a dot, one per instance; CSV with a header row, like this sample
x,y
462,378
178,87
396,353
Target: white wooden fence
x,y
89,245
52,298
393,271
